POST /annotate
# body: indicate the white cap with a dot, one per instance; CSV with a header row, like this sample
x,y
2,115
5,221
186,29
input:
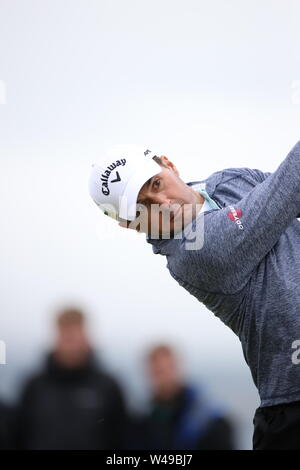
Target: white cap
x,y
114,184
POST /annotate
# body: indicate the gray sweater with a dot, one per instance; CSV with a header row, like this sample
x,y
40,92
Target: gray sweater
x,y
248,270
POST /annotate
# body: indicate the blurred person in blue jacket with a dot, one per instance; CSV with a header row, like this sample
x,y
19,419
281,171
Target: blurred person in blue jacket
x,y
72,403
179,416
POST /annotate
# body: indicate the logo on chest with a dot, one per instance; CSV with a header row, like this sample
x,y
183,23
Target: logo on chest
x,y
235,215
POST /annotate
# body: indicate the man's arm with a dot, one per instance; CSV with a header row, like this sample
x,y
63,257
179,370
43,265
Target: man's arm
x,y
238,237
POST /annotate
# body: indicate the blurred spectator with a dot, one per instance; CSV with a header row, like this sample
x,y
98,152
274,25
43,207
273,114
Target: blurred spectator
x,y
72,403
179,417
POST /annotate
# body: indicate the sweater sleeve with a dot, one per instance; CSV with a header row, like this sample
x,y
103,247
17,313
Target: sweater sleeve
x,y
238,237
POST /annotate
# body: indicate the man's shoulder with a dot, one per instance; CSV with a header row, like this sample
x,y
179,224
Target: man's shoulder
x,y
210,182
251,176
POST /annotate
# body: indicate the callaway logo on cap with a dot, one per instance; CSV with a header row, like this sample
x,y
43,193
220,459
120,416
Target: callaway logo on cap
x,y
115,182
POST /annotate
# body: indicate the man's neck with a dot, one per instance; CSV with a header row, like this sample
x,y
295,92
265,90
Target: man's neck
x,y
199,197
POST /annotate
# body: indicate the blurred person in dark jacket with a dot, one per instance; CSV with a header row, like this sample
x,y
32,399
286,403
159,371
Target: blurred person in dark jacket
x,y
72,403
179,416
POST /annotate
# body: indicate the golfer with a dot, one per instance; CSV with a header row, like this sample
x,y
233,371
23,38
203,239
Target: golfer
x,y
232,241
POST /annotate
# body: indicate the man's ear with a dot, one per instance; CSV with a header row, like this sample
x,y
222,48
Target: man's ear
x,y
167,163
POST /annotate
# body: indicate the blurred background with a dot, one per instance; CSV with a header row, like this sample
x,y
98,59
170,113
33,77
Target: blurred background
x,y
209,84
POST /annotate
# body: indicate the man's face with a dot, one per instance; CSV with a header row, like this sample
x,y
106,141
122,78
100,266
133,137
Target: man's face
x,y
165,204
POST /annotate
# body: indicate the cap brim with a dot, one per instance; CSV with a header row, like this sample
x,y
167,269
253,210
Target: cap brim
x,y
127,206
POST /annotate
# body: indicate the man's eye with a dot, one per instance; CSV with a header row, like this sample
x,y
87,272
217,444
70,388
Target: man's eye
x,y
156,183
